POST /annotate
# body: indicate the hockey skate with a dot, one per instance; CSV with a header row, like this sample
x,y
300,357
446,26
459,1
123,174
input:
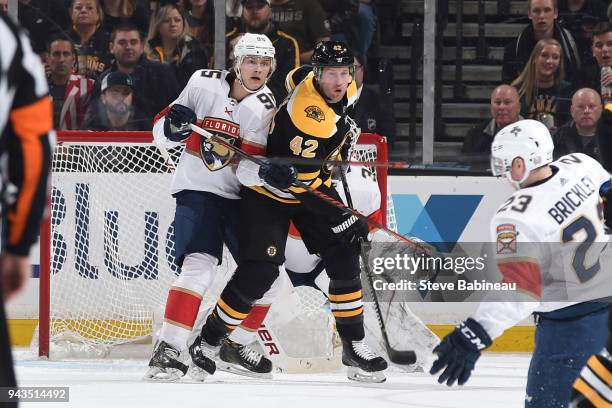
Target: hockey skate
x,y
363,365
202,359
165,364
243,360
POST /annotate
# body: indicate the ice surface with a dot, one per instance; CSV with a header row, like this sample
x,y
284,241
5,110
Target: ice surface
x,y
499,381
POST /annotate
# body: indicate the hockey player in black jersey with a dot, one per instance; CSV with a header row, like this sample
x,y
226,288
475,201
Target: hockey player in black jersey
x,y
313,123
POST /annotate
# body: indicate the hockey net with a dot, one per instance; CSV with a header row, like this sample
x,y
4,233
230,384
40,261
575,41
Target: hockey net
x,y
107,248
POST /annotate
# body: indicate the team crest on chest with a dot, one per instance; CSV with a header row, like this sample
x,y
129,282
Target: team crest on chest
x,y
214,155
314,112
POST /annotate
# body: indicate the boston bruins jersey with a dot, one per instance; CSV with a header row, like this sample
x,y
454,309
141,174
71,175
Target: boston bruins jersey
x,y
307,127
204,166
549,240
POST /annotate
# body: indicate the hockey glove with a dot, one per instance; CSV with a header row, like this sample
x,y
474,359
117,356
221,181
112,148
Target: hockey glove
x,y
606,194
280,176
178,119
459,351
349,229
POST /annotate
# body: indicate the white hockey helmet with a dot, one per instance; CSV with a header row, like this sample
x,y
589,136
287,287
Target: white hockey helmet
x,y
251,44
528,139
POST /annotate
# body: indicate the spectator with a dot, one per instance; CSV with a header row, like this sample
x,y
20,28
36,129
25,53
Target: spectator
x,y
602,57
371,114
257,18
304,20
44,19
122,11
579,17
114,110
71,93
580,8
352,22
544,94
91,42
168,43
543,15
4,6
155,85
505,109
388,13
200,17
580,134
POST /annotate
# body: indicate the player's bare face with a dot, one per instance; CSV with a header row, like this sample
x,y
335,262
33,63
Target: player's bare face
x,y
334,82
172,26
84,12
602,49
548,62
254,71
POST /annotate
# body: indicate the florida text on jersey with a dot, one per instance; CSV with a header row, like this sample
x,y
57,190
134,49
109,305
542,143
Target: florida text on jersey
x,y
307,127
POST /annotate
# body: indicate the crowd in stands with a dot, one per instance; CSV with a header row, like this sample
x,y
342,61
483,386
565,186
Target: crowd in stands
x,y
558,65
114,64
558,72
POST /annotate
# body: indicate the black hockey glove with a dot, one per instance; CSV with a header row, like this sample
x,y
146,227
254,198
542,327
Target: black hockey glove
x,y
459,351
607,205
280,176
349,229
178,119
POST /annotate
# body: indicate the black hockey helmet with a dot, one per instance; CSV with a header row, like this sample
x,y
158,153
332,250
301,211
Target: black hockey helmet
x,y
332,54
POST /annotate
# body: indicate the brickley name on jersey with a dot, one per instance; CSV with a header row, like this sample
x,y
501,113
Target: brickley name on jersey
x,y
572,199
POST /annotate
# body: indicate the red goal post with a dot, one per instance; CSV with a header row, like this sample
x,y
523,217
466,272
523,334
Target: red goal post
x,y
98,287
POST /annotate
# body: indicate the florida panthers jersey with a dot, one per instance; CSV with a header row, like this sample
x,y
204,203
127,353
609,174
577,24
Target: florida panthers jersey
x,y
366,199
549,240
206,166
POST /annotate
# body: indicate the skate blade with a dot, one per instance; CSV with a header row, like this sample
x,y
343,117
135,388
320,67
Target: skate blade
x,y
197,373
160,375
357,374
239,370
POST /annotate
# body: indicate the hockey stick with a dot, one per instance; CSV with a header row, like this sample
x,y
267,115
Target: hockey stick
x,y
165,154
374,163
412,244
396,356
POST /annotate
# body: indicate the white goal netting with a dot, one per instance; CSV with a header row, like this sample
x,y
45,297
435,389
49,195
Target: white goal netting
x,y
112,244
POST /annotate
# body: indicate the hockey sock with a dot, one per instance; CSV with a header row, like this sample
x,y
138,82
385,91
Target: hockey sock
x,y
346,301
593,387
180,315
184,298
245,333
231,309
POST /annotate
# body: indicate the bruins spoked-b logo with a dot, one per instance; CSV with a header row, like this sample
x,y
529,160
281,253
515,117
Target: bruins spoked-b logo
x,y
271,251
314,112
214,155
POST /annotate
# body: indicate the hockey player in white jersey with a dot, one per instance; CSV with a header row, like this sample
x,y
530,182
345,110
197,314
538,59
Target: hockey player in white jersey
x,y
549,237
234,105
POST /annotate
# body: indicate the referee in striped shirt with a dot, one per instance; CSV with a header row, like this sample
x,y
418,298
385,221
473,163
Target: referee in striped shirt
x,y
26,138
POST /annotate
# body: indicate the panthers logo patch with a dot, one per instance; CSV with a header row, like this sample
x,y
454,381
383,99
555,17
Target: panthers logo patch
x,y
314,112
214,155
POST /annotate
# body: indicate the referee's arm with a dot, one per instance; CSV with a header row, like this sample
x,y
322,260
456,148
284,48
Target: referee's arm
x,y
27,140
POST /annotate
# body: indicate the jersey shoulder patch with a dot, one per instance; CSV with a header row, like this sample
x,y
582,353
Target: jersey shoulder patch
x,y
309,113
